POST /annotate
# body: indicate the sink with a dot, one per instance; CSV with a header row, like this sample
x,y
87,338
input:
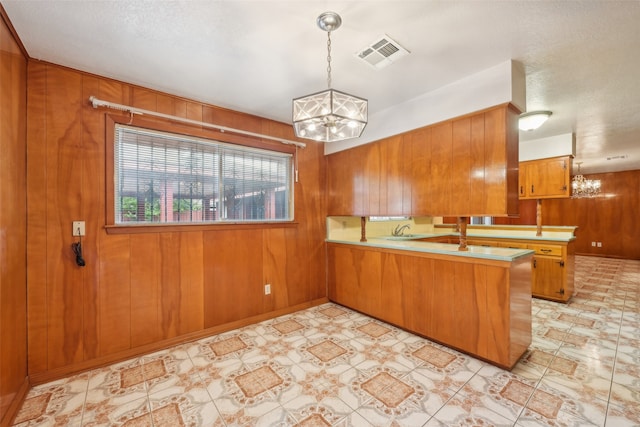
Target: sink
x,y
403,237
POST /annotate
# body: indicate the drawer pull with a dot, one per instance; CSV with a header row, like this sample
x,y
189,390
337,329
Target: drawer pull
x,y
545,250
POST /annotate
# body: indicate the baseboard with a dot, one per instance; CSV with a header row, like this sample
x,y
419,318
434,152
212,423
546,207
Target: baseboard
x,y
16,403
37,378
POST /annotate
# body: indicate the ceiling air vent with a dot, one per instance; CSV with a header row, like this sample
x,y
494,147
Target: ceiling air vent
x,y
382,52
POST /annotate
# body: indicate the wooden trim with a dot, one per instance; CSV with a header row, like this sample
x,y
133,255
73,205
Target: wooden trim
x,y
16,403
54,374
12,30
169,228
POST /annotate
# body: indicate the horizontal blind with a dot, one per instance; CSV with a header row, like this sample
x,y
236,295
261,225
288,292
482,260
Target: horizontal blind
x,y
170,178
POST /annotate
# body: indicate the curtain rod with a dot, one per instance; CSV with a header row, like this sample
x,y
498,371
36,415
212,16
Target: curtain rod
x,y
95,102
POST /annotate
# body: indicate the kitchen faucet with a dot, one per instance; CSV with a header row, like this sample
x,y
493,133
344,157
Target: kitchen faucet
x,y
398,231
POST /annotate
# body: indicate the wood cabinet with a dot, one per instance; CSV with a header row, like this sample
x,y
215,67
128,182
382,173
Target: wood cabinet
x,y
545,178
479,306
552,265
466,166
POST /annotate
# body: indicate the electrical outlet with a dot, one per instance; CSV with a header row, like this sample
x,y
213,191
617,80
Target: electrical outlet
x,y
599,244
267,289
593,244
78,228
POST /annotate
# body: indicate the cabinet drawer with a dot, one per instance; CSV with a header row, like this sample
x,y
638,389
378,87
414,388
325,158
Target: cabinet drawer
x,y
547,250
513,245
485,243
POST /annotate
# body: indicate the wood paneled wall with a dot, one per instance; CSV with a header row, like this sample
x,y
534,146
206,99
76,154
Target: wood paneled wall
x,y
611,218
13,223
142,291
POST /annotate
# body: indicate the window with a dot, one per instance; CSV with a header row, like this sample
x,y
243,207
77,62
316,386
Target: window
x,y
169,178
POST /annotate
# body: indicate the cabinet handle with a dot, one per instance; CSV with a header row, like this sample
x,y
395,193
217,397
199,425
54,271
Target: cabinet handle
x,y
534,263
521,190
532,189
561,292
545,250
561,263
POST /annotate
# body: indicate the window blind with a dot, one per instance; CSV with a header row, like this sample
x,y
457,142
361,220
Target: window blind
x,y
171,178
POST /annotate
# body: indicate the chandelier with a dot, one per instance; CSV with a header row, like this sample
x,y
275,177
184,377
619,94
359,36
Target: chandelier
x,y
582,187
329,115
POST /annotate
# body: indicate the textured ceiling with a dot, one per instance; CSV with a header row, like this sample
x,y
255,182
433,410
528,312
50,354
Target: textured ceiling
x,y
581,58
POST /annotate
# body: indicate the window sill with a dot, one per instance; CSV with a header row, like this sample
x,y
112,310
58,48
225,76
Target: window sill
x,y
172,228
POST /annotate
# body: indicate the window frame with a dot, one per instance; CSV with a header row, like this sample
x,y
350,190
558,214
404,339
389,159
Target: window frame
x,y
190,131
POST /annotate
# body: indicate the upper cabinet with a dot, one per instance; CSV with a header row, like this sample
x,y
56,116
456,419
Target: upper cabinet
x,y
545,178
466,166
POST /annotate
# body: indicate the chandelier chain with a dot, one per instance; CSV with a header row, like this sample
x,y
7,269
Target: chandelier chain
x,y
329,59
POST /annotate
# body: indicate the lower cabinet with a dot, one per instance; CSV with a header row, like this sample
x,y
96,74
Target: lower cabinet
x,y
552,266
479,306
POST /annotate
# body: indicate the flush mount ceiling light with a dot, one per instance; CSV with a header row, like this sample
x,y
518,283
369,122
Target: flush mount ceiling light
x,y
329,115
533,119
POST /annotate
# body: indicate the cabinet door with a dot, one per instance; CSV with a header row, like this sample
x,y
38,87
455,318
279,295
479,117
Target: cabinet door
x,y
549,178
548,277
345,184
394,178
354,278
544,178
419,143
441,167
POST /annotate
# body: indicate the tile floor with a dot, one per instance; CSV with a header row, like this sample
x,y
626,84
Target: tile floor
x,y
330,366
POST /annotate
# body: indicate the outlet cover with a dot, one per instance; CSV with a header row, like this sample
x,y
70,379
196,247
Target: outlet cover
x,y
267,289
599,244
78,228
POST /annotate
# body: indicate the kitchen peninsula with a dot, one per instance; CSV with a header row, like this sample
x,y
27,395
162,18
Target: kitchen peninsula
x,y
477,301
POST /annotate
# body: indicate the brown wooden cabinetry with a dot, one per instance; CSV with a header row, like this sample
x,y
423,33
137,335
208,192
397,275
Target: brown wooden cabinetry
x,y
479,306
545,178
461,167
552,265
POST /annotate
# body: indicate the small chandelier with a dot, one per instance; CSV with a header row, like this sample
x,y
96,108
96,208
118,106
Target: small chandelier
x,y
582,187
329,115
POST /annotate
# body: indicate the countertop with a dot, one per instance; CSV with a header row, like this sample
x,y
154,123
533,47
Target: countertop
x,y
410,244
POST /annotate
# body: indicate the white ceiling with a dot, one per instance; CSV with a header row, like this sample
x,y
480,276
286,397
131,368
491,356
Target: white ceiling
x,y
581,58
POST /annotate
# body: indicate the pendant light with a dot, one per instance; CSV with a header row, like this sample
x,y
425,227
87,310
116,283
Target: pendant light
x,y
330,115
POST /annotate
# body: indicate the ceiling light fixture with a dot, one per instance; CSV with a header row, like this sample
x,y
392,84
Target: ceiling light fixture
x,y
329,115
533,119
582,187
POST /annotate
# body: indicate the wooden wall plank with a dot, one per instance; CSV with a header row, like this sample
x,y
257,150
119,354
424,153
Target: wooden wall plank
x,y
233,276
171,296
64,191
191,309
13,223
37,304
92,210
145,273
114,295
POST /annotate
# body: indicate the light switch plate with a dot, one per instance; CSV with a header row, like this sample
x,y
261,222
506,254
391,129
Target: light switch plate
x,y
78,228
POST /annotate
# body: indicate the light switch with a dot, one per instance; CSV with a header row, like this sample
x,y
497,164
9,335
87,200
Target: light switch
x,y
78,228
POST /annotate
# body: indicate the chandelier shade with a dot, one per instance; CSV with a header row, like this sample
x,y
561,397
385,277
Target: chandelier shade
x,y
582,187
330,115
